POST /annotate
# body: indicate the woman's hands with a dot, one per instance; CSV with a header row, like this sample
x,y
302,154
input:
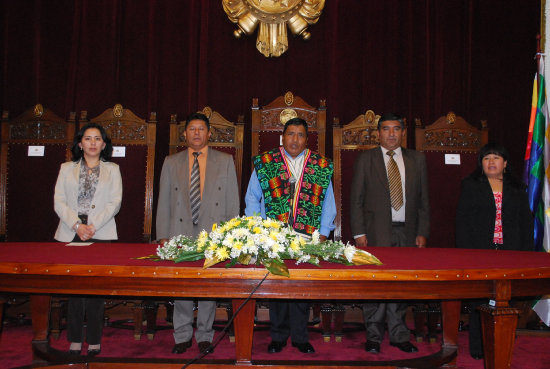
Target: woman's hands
x,y
85,231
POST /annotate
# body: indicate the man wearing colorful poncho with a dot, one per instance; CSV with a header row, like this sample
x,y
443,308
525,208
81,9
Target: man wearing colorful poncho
x,y
292,184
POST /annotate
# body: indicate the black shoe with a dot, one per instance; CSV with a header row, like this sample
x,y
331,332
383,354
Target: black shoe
x,y
372,347
476,355
405,346
304,347
205,347
74,352
94,352
179,348
275,346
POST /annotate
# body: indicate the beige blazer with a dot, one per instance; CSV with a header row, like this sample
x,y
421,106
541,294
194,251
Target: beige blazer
x,y
220,196
105,205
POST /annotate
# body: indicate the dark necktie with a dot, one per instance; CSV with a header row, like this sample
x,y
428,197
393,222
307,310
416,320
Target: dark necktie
x,y
394,179
195,189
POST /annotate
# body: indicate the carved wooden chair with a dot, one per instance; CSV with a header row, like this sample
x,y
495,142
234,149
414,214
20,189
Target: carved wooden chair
x,y
268,122
448,135
28,179
225,136
136,137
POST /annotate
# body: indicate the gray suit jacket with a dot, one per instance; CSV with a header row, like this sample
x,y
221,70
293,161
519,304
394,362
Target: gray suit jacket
x,y
220,196
105,205
370,198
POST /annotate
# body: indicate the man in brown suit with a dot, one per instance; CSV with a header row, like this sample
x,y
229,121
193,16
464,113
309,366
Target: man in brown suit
x,y
399,219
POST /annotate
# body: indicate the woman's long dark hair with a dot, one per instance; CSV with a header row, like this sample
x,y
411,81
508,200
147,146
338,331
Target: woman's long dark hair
x,y
499,150
104,155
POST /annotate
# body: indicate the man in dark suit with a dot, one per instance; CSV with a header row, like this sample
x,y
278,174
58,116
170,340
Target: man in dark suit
x,y
217,201
389,207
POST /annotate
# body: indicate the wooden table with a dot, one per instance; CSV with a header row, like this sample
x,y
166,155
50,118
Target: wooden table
x,y
449,275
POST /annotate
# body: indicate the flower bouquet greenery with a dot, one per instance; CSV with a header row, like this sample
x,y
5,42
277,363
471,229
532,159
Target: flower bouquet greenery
x,y
267,242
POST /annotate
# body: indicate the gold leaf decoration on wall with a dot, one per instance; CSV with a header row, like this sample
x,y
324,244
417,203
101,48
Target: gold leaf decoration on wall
x,y
273,18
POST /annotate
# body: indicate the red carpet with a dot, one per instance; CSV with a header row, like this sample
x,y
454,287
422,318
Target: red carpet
x,y
15,350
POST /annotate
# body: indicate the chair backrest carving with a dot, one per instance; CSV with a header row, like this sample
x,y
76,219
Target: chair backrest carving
x,y
268,122
27,177
225,136
136,166
449,134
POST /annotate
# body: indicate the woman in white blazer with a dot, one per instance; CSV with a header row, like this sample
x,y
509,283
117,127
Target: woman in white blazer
x,y
87,197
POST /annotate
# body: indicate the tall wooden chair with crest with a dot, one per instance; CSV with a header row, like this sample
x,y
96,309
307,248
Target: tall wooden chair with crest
x,y
451,146
268,122
33,147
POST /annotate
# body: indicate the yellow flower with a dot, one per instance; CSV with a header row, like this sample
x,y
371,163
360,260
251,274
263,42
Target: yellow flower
x,y
221,253
212,246
295,245
276,247
238,245
257,230
273,235
201,240
214,226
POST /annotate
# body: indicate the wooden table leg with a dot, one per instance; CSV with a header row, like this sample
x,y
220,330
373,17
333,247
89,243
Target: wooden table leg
x,y
244,329
499,333
450,315
40,313
498,323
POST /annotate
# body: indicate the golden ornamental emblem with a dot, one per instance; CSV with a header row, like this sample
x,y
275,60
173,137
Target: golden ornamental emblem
x,y
273,16
118,111
38,110
207,111
451,118
289,98
286,115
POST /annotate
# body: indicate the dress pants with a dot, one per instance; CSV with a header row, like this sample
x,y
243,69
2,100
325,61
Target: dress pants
x,y
474,328
91,309
85,309
392,313
183,320
289,319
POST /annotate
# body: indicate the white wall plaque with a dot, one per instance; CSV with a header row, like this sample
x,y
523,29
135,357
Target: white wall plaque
x,y
452,159
36,151
119,151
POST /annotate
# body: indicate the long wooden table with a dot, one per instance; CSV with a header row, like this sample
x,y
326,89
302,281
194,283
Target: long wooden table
x,y
449,275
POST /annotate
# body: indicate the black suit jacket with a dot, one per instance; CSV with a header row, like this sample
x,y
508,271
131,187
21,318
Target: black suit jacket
x,y
370,198
476,212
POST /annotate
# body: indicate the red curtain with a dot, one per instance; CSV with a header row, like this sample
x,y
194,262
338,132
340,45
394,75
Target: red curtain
x,y
420,58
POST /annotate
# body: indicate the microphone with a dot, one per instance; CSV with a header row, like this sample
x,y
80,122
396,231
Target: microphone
x,y
292,182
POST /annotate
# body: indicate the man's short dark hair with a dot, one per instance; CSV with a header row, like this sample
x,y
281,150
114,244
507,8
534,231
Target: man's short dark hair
x,y
197,116
295,122
391,116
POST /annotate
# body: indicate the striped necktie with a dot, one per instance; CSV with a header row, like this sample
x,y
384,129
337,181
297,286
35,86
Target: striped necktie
x,y
394,179
195,189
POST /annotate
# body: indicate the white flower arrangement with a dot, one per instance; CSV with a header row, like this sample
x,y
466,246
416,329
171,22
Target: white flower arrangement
x,y
267,242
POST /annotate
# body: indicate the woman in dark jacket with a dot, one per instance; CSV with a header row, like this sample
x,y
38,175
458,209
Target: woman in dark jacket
x,y
493,213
